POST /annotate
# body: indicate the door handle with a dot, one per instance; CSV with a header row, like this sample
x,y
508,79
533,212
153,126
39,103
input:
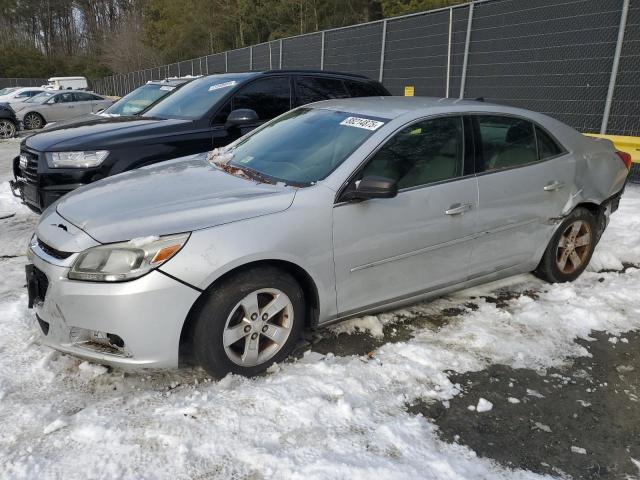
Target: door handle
x,y
458,208
553,186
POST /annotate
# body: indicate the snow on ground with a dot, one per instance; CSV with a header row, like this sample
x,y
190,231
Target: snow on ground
x,y
323,416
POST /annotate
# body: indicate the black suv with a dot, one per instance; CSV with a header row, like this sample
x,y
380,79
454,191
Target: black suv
x,y
206,113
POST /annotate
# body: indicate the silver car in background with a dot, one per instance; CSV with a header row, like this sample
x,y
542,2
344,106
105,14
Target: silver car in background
x,y
55,105
329,211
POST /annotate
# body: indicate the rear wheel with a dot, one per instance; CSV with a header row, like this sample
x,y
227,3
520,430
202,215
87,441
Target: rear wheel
x,y
570,248
7,128
248,322
33,121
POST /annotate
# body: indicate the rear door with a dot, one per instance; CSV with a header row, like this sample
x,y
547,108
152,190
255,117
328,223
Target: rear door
x,y
83,103
394,248
525,178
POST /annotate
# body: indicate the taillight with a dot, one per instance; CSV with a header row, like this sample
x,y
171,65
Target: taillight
x,y
626,158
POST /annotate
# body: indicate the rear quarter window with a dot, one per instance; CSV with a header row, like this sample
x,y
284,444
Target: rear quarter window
x,y
547,146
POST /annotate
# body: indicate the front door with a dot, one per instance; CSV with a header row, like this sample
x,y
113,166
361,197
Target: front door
x,y
525,178
390,249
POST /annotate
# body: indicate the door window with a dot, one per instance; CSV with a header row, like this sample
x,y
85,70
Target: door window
x,y
506,142
314,89
63,98
364,89
268,97
426,152
83,97
547,146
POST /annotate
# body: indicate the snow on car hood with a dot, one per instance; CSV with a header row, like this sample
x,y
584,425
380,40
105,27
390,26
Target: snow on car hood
x,y
178,196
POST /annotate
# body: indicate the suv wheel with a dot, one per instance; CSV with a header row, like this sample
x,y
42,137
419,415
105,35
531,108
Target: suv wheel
x,y
33,121
7,128
570,248
250,321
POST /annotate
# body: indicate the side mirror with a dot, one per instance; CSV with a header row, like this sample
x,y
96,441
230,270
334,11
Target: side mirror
x,y
100,110
371,187
241,117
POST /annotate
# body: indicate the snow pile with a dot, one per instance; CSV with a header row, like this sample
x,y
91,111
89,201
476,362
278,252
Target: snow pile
x,y
322,417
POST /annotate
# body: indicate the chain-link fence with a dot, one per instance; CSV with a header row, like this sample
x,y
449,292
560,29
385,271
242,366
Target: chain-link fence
x,y
22,82
576,60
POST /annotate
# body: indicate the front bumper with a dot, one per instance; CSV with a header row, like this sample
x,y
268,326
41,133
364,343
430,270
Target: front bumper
x,y
140,320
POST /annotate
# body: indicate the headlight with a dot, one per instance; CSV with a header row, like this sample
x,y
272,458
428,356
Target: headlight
x,y
91,158
119,262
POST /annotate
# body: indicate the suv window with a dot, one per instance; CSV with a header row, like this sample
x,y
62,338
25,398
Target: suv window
x,y
269,97
363,89
547,146
314,89
506,142
425,152
27,94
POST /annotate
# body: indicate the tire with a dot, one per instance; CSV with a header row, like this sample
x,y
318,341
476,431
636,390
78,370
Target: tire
x,y
226,332
33,121
7,128
570,248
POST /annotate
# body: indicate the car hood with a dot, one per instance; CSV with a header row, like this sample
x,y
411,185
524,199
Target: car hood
x,y
102,133
181,195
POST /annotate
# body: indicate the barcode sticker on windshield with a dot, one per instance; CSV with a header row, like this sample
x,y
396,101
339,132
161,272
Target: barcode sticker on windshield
x,y
365,123
222,85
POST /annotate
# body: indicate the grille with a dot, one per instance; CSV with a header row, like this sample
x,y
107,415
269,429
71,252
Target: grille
x,y
30,172
60,255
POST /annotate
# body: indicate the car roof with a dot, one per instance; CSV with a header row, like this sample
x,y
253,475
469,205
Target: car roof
x,y
328,73
171,81
394,107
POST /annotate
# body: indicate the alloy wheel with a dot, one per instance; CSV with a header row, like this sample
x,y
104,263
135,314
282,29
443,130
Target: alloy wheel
x,y
7,129
574,246
258,327
32,121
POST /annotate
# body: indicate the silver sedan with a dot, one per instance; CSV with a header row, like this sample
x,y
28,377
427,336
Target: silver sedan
x,y
330,211
55,105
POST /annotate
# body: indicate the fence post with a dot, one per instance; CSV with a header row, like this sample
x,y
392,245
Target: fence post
x,y
206,63
614,67
383,47
465,62
322,51
226,61
280,66
270,59
449,52
250,57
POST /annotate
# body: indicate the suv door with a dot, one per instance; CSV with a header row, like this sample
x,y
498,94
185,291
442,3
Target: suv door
x,y
268,97
525,177
395,248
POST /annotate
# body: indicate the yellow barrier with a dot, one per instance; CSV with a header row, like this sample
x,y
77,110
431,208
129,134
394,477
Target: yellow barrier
x,y
631,145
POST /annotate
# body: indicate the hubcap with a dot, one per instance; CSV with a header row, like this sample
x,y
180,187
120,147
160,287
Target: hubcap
x,y
573,247
258,326
32,121
7,129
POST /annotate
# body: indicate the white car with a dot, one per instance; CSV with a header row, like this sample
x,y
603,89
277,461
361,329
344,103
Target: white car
x,y
20,95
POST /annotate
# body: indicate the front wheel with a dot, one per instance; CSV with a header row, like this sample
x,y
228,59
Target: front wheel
x,y
7,128
248,322
33,121
570,248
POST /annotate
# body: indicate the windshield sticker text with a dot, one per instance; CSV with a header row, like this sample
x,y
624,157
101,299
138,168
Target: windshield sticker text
x,y
365,123
222,85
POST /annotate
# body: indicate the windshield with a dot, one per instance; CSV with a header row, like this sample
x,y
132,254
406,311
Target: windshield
x,y
41,97
298,148
139,99
195,99
7,90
